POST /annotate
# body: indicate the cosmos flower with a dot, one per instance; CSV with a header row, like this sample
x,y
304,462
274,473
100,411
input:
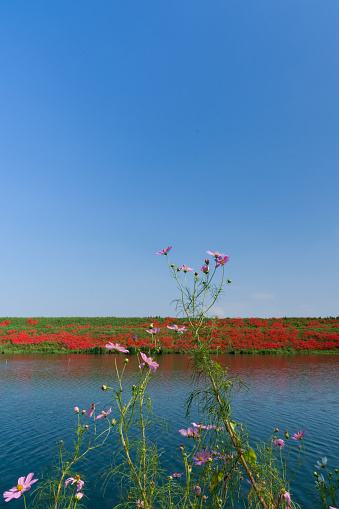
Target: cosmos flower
x,y
153,331
189,433
117,347
75,480
91,409
299,435
221,261
165,251
202,457
186,269
279,443
200,426
322,464
216,254
177,329
104,414
24,484
148,360
285,494
176,476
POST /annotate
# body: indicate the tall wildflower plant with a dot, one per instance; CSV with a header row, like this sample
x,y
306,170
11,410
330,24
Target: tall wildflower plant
x,y
266,475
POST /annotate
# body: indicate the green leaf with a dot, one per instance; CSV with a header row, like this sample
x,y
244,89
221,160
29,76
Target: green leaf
x,y
250,456
216,478
233,425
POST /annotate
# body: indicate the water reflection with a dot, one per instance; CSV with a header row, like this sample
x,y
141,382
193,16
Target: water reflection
x,y
38,394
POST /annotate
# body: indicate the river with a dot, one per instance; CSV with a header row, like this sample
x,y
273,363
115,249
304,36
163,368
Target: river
x,y
38,393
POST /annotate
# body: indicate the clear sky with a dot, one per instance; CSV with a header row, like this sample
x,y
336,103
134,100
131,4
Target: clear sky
x,y
130,126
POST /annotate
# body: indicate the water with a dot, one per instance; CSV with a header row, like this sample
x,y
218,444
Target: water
x,y
38,394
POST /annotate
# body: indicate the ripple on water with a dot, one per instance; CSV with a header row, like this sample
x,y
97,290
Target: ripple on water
x,y
38,394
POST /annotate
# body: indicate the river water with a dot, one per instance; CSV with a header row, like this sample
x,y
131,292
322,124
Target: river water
x,y
38,393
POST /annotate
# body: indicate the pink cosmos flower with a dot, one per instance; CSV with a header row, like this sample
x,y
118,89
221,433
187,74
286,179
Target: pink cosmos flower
x,y
176,476
78,496
221,261
140,503
332,507
76,409
165,251
279,443
190,432
216,254
24,484
148,360
205,269
285,494
200,426
197,490
177,329
91,409
104,414
153,331
202,457
75,480
299,435
117,347
186,269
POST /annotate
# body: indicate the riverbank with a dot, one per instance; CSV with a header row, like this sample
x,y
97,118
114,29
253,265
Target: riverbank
x,y
228,335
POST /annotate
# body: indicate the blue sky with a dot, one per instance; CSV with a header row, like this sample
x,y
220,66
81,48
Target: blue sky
x,y
127,127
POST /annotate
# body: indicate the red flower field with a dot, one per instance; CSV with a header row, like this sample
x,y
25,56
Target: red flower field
x,y
223,335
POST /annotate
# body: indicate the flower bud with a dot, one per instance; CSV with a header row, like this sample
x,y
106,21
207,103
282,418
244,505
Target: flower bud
x,y
210,460
126,361
134,388
104,388
189,468
287,436
315,474
113,422
172,265
276,430
83,412
299,447
336,470
76,409
61,442
207,261
181,448
196,273
86,426
229,281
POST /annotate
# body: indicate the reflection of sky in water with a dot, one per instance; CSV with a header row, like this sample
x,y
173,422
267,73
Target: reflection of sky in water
x,y
38,394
